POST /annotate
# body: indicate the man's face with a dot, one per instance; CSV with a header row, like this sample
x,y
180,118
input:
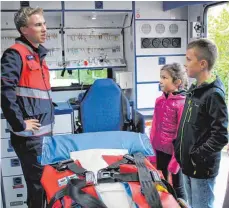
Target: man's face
x,y
35,31
193,65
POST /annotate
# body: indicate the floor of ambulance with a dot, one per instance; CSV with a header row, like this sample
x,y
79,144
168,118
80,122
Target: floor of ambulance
x,y
221,181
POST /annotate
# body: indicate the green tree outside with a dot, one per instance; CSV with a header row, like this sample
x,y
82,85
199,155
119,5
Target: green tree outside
x,y
218,31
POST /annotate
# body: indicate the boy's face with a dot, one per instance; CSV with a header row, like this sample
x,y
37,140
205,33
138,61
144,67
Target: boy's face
x,y
193,65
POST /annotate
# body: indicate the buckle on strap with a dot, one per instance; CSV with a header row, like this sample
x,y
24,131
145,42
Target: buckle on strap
x,y
107,176
90,178
129,158
104,175
61,166
111,175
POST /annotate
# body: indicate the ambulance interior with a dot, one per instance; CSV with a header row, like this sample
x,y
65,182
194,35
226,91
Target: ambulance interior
x,y
121,45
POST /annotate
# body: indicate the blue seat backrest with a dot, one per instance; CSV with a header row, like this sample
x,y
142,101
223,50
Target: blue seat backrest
x,y
101,108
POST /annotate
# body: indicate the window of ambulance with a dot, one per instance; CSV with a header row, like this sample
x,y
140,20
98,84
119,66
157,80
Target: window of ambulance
x,y
76,78
217,18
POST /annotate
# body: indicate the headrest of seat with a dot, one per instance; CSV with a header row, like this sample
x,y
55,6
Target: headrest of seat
x,y
101,108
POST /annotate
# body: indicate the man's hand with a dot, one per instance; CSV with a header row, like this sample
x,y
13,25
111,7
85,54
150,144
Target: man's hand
x,y
32,125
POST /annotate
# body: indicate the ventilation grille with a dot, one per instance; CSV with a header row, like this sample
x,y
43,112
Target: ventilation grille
x,y
160,28
173,28
146,29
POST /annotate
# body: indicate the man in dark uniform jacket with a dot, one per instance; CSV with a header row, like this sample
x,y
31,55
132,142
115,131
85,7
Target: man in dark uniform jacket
x,y
25,94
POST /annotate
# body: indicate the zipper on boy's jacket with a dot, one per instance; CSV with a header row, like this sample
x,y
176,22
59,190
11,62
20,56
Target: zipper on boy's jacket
x,y
190,114
189,110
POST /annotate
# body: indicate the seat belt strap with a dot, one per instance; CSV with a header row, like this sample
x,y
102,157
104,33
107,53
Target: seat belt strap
x,y
117,164
59,195
69,164
79,197
76,169
148,188
74,190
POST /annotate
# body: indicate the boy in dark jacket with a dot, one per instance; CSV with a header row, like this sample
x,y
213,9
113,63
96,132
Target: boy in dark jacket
x,y
203,128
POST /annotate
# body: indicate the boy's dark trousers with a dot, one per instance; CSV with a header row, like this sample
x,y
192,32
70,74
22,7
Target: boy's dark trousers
x,y
27,150
163,160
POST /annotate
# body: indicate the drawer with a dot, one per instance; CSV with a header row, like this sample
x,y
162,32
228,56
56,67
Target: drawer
x,y
11,167
63,124
6,149
5,133
15,191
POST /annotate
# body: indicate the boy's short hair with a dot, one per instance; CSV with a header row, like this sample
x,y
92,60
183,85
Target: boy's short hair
x,y
206,50
23,14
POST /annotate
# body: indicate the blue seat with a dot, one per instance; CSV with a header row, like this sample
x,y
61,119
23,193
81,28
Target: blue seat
x,y
104,107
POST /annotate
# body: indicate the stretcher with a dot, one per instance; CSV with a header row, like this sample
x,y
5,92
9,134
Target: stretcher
x,y
95,175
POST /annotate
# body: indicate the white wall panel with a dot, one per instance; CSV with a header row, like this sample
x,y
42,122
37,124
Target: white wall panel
x,y
49,5
147,95
8,39
117,5
6,148
9,5
103,19
79,5
154,10
11,166
7,20
107,5
148,68
53,19
129,55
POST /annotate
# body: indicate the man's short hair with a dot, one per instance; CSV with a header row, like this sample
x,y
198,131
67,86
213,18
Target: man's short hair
x,y
205,50
22,16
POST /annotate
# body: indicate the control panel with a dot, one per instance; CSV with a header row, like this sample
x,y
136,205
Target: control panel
x,y
161,42
93,48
